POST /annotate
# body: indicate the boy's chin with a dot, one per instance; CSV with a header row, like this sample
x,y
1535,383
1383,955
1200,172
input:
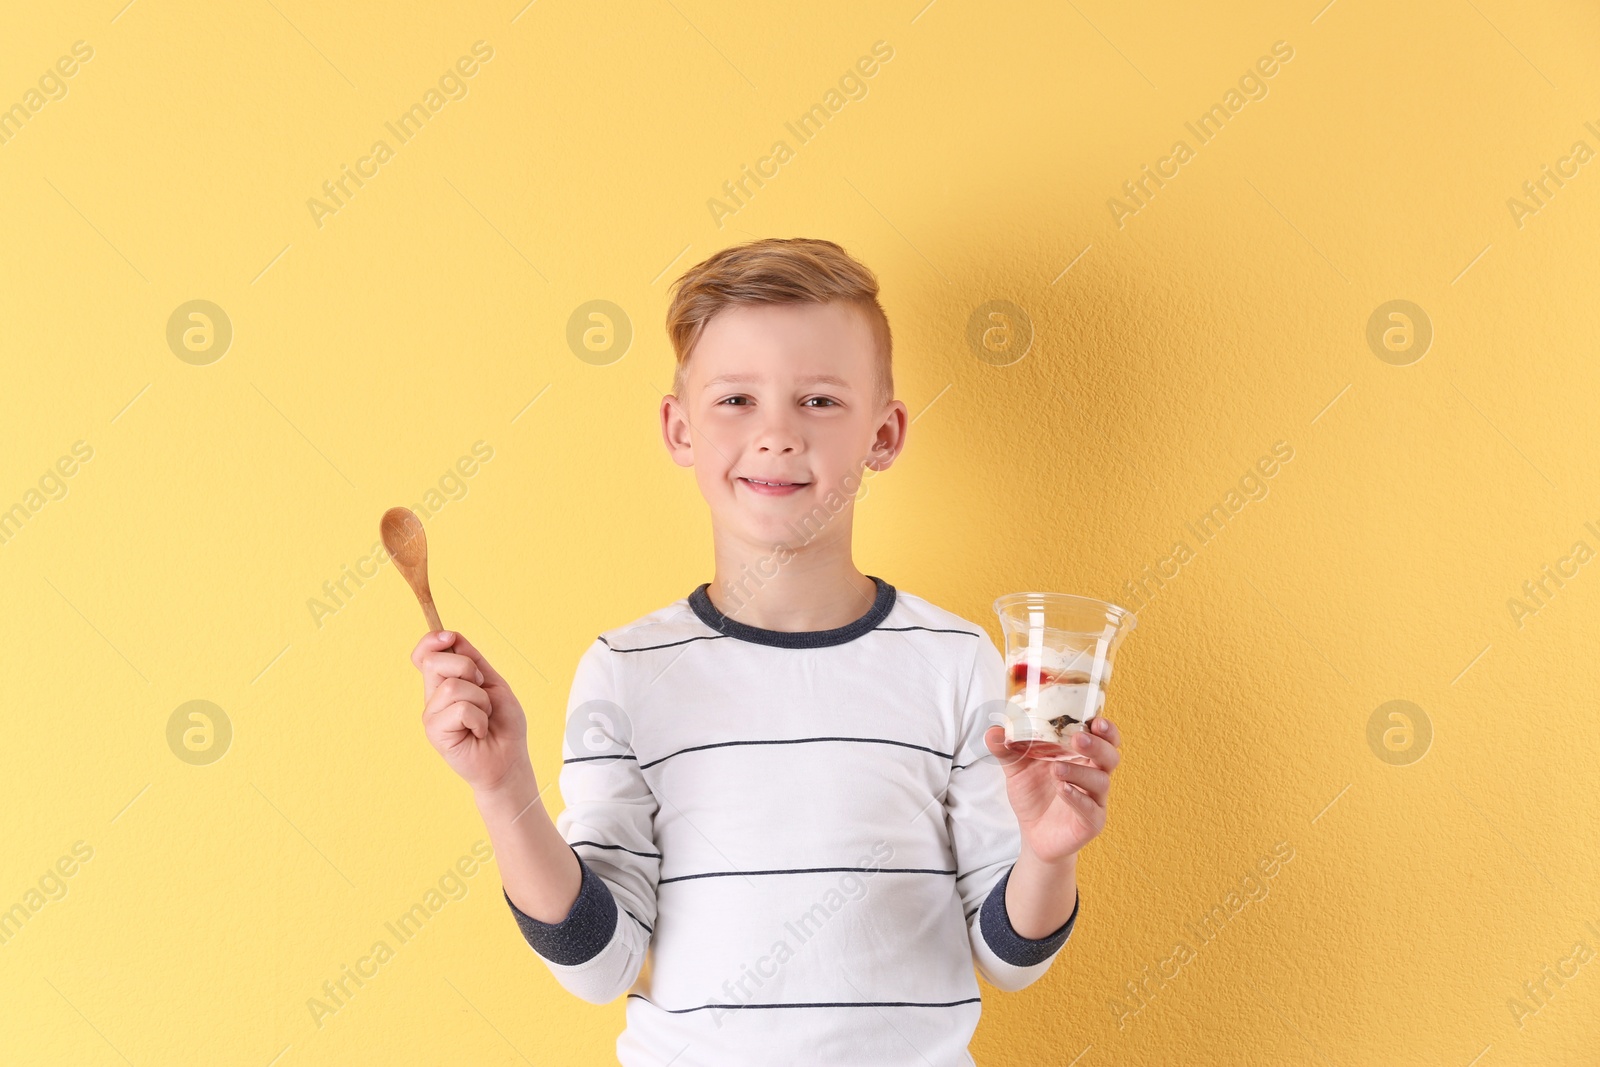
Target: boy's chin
x,y
768,523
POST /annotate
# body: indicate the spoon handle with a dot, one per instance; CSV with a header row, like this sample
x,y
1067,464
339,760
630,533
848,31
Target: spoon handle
x,y
432,614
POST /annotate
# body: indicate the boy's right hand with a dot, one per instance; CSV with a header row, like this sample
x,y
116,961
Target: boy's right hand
x,y
470,714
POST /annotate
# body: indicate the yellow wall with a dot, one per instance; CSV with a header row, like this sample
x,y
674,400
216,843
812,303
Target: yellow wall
x,y
1172,347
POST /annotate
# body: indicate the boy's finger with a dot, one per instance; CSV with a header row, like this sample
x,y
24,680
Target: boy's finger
x,y
433,641
1077,798
1103,752
1107,729
452,664
1091,780
467,648
453,691
428,642
462,717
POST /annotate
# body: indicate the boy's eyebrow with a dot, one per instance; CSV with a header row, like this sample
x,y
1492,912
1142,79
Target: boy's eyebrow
x,y
742,379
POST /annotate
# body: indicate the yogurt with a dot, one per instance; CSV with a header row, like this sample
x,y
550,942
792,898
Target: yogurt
x,y
1052,698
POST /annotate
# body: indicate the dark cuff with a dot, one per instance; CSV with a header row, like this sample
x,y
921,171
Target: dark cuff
x,y
583,933
1011,946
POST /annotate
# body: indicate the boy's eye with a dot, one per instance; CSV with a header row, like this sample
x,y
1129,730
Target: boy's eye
x,y
827,400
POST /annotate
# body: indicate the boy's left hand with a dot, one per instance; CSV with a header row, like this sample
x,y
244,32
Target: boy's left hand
x,y
1060,805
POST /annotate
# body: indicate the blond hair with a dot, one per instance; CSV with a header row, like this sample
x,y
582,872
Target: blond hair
x,y
776,270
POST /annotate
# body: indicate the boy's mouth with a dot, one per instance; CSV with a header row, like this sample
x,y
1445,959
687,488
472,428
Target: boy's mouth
x,y
768,487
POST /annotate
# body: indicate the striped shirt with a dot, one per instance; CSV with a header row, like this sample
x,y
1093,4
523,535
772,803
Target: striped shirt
x,y
794,845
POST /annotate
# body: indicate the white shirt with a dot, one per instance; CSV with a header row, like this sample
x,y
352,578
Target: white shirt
x,y
794,845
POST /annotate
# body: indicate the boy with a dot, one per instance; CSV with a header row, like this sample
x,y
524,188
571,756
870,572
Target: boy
x,y
790,830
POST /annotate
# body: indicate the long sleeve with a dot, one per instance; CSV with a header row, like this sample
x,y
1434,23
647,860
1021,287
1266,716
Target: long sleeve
x,y
596,952
986,841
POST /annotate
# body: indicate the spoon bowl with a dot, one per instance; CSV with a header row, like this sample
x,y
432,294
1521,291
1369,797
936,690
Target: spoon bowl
x,y
407,545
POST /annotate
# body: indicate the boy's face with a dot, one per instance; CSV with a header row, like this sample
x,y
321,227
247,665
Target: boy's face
x,y
779,423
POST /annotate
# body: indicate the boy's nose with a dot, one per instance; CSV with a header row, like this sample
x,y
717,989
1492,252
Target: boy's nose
x,y
777,436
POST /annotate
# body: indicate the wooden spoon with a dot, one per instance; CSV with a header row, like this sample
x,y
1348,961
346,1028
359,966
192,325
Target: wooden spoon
x,y
408,547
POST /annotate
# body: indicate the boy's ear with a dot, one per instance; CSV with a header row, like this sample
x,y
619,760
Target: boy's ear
x,y
675,431
890,439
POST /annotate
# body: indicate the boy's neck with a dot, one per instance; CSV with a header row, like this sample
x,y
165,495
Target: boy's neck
x,y
818,588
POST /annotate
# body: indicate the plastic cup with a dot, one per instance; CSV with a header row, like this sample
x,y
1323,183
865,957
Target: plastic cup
x,y
1059,650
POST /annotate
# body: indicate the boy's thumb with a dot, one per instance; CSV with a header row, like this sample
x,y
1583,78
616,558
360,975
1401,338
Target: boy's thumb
x,y
995,739
451,641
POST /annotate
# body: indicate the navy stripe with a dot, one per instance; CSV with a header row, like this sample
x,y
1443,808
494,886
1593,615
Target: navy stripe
x,y
596,844
640,921
930,629
789,741
669,644
719,637
821,1004
586,759
806,870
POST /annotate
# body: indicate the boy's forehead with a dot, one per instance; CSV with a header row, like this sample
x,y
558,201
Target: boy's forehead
x,y
758,342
